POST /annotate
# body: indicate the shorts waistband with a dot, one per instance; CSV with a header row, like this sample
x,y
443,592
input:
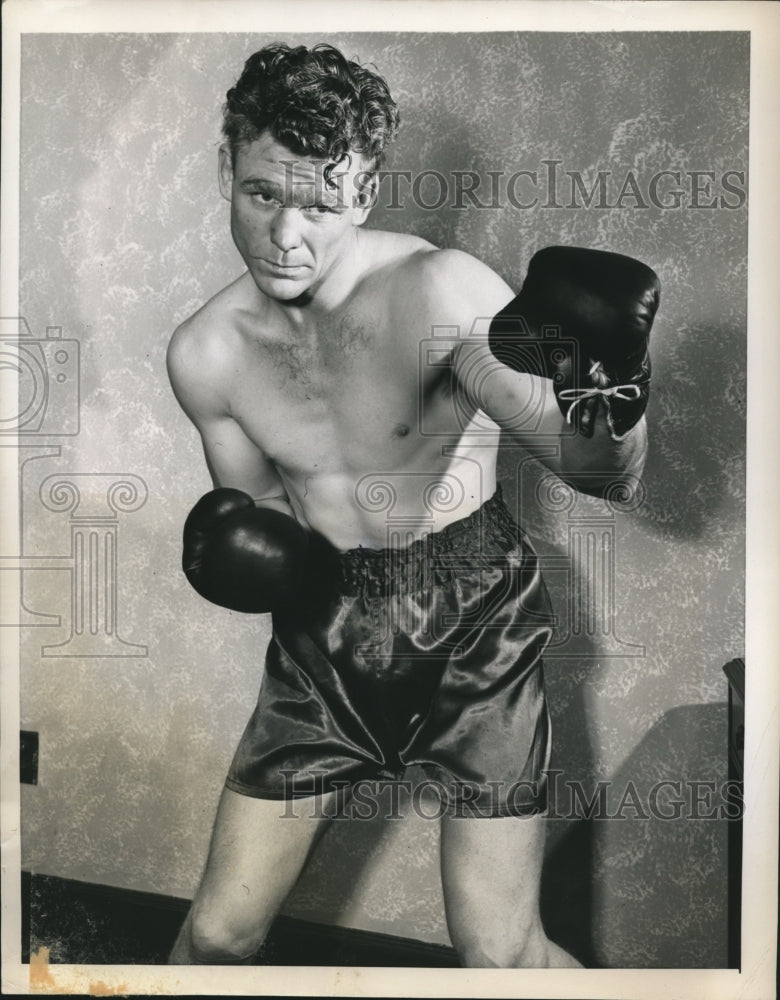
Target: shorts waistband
x,y
490,525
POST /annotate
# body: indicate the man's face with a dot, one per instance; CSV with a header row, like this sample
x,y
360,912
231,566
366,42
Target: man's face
x,y
290,226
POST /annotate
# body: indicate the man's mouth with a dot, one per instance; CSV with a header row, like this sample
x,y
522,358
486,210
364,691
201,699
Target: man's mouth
x,y
282,268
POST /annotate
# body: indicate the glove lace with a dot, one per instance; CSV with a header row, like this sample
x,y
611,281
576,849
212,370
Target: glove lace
x,y
627,391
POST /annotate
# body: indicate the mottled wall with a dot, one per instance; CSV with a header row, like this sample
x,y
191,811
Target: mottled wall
x,y
124,234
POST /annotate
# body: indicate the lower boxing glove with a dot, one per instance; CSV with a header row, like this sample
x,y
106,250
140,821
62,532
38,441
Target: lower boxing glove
x,y
240,556
583,319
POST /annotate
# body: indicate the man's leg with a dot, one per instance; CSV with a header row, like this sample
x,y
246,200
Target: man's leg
x,y
257,851
491,869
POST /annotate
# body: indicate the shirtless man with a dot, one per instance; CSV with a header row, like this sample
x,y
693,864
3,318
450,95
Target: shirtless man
x,y
304,379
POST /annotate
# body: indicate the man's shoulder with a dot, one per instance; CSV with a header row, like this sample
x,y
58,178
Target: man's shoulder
x,y
428,273
413,252
452,285
202,342
384,249
214,315
216,322
459,272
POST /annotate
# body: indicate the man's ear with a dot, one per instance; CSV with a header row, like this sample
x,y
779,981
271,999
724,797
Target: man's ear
x,y
365,197
226,172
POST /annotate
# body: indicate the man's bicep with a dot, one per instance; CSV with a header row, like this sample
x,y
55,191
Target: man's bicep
x,y
473,294
233,459
520,403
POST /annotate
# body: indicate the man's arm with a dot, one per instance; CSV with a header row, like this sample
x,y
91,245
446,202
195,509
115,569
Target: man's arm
x,y
198,375
524,405
525,408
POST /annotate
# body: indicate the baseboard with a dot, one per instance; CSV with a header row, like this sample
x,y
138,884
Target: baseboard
x,y
87,923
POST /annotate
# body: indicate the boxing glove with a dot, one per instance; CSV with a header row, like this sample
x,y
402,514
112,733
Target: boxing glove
x,y
583,319
240,556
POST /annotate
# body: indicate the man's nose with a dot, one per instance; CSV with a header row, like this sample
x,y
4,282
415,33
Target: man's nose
x,y
286,229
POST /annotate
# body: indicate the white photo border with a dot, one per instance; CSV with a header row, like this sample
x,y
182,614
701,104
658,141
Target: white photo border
x,y
759,929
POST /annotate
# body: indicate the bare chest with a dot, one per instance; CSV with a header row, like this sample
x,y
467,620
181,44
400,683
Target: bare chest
x,y
357,396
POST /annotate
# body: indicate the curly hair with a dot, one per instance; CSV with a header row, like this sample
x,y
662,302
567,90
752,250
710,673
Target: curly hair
x,y
314,101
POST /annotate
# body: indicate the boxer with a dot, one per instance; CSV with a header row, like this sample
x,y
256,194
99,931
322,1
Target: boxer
x,y
303,377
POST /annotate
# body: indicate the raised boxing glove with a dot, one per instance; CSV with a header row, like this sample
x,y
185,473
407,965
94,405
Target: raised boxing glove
x,y
583,319
243,557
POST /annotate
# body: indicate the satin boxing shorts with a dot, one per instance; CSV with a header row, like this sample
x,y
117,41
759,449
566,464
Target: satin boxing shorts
x,y
427,655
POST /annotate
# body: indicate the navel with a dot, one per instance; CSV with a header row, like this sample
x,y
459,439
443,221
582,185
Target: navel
x,y
401,430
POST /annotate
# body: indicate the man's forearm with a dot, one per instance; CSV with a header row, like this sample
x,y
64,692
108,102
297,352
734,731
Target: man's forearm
x,y
593,464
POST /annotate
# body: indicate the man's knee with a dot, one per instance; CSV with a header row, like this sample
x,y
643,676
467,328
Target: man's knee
x,y
486,947
224,938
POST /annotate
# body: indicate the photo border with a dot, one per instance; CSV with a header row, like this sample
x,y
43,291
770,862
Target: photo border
x,y
759,911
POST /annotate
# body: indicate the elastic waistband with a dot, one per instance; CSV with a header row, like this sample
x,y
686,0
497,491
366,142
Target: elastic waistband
x,y
489,527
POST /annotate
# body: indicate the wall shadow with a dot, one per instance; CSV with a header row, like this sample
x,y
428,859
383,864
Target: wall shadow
x,y
643,881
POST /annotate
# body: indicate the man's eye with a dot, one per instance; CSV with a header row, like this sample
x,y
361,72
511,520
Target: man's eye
x,y
319,209
263,197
